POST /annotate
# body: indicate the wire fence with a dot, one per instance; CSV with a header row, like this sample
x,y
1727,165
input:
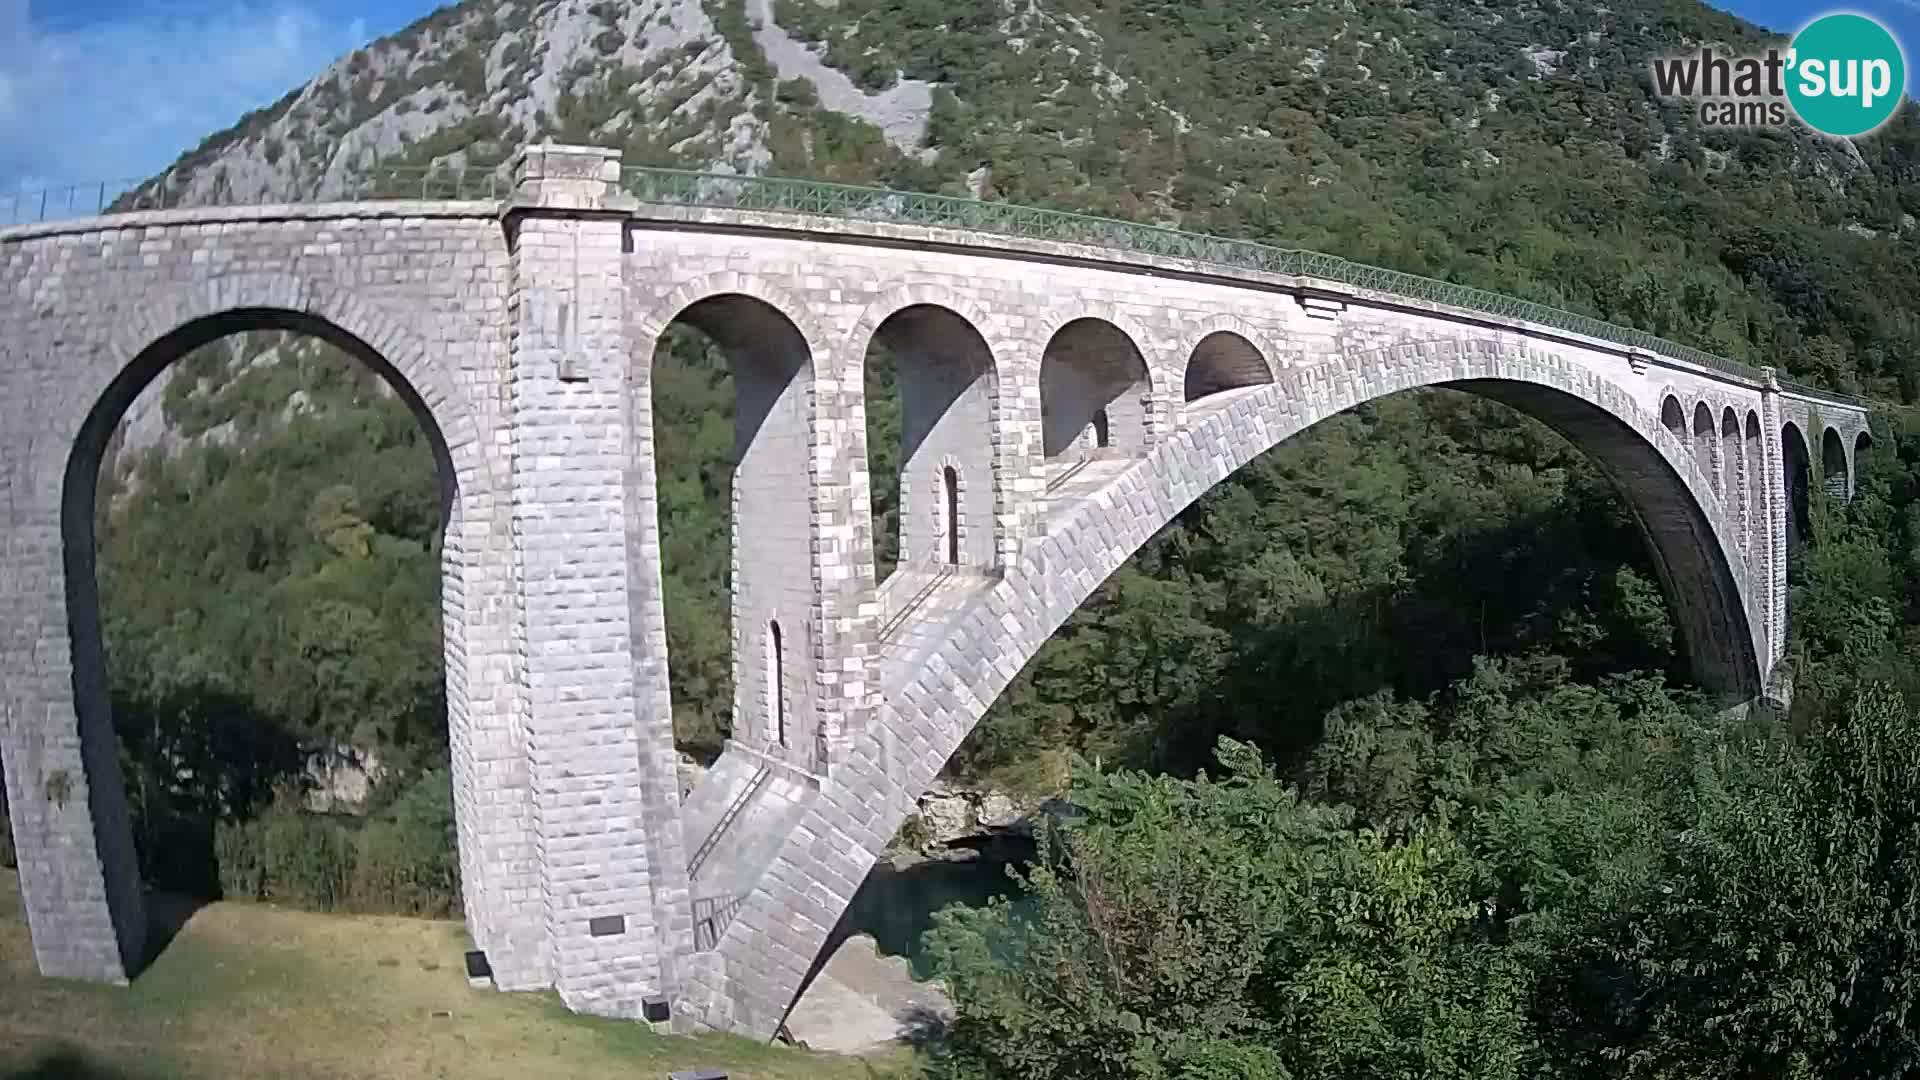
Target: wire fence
x,y
437,183
700,190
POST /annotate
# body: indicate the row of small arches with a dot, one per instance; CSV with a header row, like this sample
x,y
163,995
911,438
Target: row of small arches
x,y
1098,397
1087,358
1729,452
1722,449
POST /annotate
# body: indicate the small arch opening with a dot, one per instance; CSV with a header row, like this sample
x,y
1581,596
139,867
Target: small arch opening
x,y
930,397
1833,466
1673,419
1798,466
1093,391
950,480
1732,466
1732,463
1224,361
776,683
727,392
1755,535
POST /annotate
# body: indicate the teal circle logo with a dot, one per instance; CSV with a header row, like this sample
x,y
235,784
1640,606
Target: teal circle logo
x,y
1845,75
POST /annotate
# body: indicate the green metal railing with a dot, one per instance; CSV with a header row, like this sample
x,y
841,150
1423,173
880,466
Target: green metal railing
x,y
698,190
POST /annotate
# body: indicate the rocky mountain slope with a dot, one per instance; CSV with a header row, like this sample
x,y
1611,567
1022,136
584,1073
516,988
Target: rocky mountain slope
x,y
669,81
1049,96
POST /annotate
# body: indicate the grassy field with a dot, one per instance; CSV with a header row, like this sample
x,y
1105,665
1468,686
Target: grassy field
x,y
249,990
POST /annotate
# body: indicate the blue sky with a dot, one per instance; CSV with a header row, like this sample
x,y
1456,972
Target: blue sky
x,y
104,89
95,90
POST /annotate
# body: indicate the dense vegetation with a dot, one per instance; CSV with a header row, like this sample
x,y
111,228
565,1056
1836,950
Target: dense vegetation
x,y
1468,815
270,599
1522,876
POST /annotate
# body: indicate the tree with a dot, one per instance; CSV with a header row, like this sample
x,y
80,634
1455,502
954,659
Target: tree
x,y
1204,928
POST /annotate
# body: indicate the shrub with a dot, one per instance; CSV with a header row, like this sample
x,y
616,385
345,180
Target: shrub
x,y
799,92
400,863
914,834
1210,929
286,857
406,862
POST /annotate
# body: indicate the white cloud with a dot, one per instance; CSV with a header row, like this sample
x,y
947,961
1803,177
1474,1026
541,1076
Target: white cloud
x,y
121,97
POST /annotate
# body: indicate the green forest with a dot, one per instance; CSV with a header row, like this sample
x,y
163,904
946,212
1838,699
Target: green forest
x,y
1385,755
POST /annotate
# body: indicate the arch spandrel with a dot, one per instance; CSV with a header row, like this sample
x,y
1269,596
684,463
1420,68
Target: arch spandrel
x,y
934,698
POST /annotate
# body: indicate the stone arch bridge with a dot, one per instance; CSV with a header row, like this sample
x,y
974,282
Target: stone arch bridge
x,y
1068,385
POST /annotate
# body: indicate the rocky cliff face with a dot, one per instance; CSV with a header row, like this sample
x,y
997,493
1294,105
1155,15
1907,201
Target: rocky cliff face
x,y
466,86
671,82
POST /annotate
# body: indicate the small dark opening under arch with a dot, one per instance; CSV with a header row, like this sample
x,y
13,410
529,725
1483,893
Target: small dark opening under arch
x,y
777,680
1100,437
951,480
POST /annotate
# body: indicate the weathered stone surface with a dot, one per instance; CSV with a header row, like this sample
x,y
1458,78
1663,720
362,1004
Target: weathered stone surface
x,y
1063,403
947,815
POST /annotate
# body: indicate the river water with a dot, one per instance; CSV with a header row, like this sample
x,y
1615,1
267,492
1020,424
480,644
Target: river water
x,y
895,905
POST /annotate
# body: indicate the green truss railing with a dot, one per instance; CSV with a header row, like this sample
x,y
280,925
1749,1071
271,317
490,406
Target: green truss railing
x,y
697,190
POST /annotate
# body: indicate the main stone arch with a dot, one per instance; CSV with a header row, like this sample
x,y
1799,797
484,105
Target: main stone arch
x,y
78,875
934,697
